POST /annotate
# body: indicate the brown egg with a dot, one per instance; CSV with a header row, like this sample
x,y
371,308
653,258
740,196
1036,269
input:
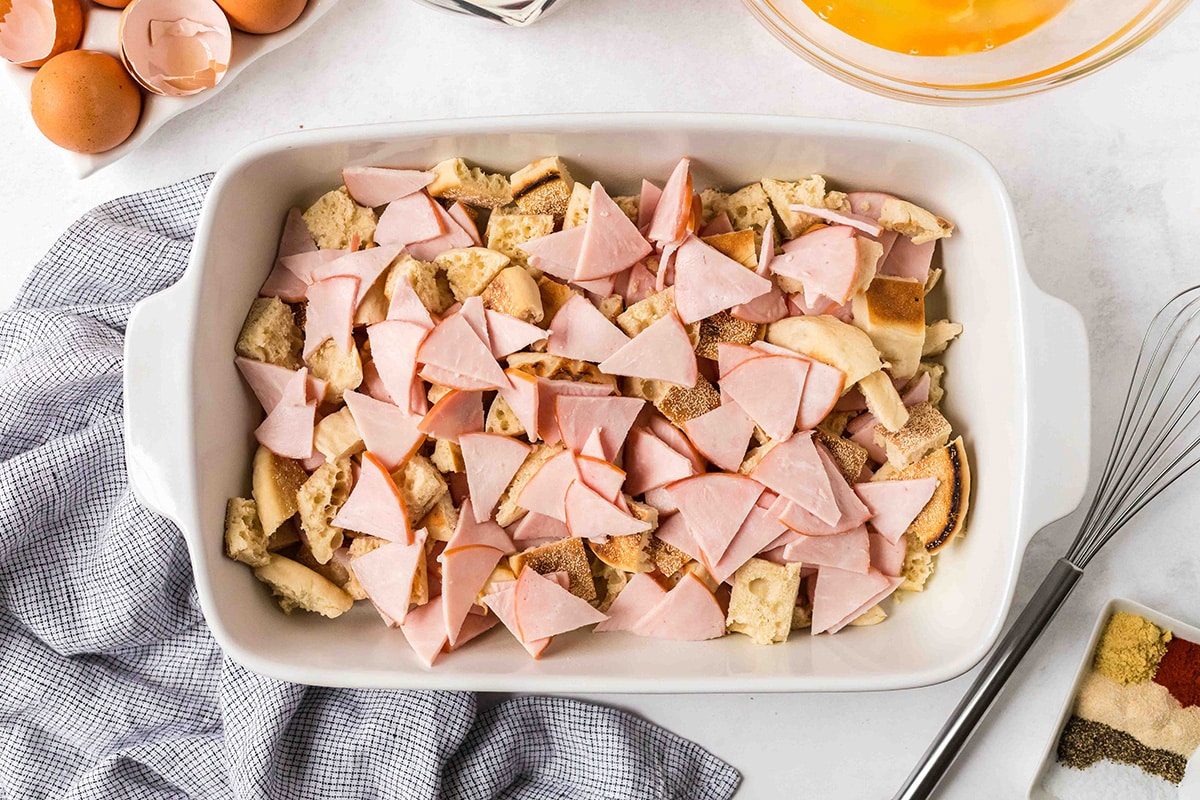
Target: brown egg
x,y
34,31
85,101
262,16
112,3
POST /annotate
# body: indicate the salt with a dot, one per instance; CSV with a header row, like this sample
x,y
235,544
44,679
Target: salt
x,y
1105,780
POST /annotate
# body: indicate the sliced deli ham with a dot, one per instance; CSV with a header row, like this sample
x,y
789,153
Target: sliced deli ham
x,y
406,306
824,261
908,260
717,225
409,219
288,429
366,265
556,253
647,203
605,478
636,600
491,461
662,351
539,527
865,224
650,462
581,332
546,491
330,314
715,505
708,281
469,533
545,609
758,531
386,574
673,211
425,631
888,557
394,348
389,432
591,516
850,551
455,413
377,186
375,505
674,531
547,402
459,213
611,243
460,232
503,604
841,596
688,613
292,274
475,314
794,470
895,504
769,390
522,397
508,334
722,435
268,381
663,429
454,346
578,417
771,306
465,570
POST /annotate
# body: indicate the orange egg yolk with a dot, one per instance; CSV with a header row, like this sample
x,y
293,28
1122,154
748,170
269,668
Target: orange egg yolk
x,y
936,27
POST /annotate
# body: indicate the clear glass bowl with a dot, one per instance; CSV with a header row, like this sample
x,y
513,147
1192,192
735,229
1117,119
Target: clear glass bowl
x,y
517,13
1086,36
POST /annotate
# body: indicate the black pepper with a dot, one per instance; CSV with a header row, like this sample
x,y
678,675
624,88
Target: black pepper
x,y
1084,742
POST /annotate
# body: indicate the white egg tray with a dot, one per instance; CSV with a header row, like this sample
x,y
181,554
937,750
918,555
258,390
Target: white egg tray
x,y
100,33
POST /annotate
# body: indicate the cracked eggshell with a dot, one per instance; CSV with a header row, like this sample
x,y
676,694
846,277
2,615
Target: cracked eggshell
x,y
34,31
175,47
262,16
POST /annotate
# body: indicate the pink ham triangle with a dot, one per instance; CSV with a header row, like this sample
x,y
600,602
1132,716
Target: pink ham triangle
x,y
708,281
557,253
453,345
671,212
850,551
689,613
292,274
842,596
794,470
330,314
394,347
475,314
508,334
647,203
612,243
521,394
288,429
650,462
503,604
591,516
455,413
366,265
409,219
535,526
386,574
544,608
715,505
895,504
660,352
406,306
389,432
581,332
636,600
824,261
377,186
456,236
579,417
772,306
549,391
546,491
375,505
491,461
769,390
268,381
465,570
469,533
594,446
605,478
758,531
425,631
722,435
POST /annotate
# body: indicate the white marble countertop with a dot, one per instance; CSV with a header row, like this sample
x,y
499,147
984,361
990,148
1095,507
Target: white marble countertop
x,y
1105,175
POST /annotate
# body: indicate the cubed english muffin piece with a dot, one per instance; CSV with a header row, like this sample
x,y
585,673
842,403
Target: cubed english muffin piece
x,y
802,613
630,553
925,431
912,221
447,456
918,565
667,558
275,482
712,203
420,484
748,208
738,245
577,207
850,456
610,582
892,312
808,192
566,555
335,220
755,456
762,600
945,515
611,306
337,435
341,370
471,269
649,310
872,616
883,401
337,570
245,540
515,292
441,520
270,334
554,295
455,180
543,187
374,305
834,423
320,499
507,511
436,392
725,327
558,368
431,284
361,545
938,337
677,403
507,232
937,373
296,586
629,205
501,419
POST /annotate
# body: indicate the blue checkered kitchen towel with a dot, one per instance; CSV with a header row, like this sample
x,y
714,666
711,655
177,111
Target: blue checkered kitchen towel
x,y
110,684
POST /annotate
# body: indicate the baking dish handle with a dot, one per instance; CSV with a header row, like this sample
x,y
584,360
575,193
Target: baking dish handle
x,y
1059,434
157,382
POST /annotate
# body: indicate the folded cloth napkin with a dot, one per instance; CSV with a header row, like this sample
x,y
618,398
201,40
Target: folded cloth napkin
x,y
113,686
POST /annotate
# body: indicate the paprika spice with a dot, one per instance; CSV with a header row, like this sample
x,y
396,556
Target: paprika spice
x,y
1179,671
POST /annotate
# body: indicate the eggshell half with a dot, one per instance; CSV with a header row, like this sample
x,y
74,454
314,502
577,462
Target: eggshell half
x,y
175,47
34,31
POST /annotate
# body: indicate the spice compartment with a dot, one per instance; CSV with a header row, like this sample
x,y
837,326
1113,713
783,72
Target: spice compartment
x,y
1107,778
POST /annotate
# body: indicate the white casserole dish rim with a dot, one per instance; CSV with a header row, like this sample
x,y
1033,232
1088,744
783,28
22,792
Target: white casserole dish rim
x,y
165,477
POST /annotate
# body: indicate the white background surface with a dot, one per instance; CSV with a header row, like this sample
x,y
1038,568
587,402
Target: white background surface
x,y
1105,178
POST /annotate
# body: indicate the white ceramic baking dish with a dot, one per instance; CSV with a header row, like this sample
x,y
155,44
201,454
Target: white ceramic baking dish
x,y
1188,632
1017,389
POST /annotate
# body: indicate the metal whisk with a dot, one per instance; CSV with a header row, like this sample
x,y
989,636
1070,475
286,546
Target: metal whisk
x,y
1157,440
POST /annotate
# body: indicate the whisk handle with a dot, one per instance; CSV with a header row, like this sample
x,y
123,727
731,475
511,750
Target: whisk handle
x,y
999,667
